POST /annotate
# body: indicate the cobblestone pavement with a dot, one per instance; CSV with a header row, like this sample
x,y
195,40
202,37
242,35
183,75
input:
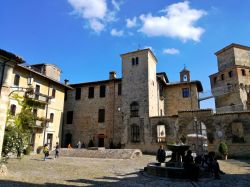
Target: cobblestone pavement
x,y
32,171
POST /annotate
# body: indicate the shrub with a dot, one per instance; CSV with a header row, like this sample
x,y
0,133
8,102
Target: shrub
x,y
27,150
223,149
39,149
91,143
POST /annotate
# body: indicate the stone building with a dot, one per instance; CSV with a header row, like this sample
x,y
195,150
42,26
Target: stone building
x,y
118,111
47,100
231,84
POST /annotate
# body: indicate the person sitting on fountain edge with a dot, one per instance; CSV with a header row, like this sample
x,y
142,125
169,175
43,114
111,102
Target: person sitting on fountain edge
x,y
192,171
161,154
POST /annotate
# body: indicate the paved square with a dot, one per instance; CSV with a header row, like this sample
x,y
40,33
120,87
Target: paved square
x,y
33,171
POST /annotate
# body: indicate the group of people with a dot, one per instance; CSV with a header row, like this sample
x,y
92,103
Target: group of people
x,y
46,151
78,145
207,162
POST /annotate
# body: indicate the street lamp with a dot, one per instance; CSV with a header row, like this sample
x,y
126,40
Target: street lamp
x,y
197,138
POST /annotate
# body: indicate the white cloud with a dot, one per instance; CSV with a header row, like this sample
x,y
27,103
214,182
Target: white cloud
x,y
116,5
96,25
90,9
178,22
131,22
115,32
171,51
95,12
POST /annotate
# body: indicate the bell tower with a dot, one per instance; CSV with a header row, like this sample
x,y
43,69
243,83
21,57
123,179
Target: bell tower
x,y
185,75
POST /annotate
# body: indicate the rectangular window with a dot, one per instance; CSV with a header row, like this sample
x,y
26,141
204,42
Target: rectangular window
x,y
243,72
185,92
53,93
51,117
161,133
119,89
215,80
91,92
13,110
101,115
69,119
230,74
65,95
16,80
37,91
78,94
102,90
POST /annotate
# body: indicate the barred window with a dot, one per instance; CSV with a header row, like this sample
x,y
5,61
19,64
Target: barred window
x,y
134,109
135,133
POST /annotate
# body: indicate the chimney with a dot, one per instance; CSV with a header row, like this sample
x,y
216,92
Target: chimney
x,y
66,81
112,75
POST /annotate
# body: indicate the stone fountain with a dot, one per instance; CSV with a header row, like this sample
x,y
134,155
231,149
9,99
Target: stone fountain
x,y
174,167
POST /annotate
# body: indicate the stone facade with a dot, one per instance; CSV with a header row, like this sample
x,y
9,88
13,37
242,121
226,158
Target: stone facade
x,y
130,118
231,85
85,125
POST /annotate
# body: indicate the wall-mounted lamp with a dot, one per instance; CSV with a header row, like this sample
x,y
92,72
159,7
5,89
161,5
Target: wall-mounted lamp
x,y
30,80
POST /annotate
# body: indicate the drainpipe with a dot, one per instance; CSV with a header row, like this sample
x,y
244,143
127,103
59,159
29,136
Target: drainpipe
x,y
47,105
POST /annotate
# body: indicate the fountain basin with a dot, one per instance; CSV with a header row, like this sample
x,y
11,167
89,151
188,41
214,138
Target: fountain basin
x,y
163,170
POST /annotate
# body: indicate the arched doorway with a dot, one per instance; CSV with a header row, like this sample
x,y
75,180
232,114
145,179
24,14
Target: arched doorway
x,y
68,139
197,137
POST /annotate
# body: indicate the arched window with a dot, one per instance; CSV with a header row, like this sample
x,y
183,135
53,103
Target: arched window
x,y
134,109
135,133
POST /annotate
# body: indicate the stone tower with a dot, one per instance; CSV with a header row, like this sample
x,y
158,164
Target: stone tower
x,y
230,86
139,95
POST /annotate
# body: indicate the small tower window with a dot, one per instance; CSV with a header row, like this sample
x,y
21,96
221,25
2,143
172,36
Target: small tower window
x,y
185,78
215,80
222,77
243,72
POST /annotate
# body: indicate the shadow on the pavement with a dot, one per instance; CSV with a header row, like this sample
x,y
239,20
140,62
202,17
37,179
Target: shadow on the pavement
x,y
8,183
138,179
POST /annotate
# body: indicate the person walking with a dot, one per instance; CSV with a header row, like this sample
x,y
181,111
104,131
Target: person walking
x,y
57,150
46,151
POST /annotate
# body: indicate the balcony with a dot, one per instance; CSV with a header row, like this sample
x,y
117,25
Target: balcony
x,y
38,97
40,122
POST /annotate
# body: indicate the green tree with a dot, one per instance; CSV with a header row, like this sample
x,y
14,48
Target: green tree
x,y
19,129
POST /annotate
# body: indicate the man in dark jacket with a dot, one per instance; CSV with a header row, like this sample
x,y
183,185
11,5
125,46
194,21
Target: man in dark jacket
x,y
161,154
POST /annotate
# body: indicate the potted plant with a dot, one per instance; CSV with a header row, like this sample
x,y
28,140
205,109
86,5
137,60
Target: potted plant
x,y
223,149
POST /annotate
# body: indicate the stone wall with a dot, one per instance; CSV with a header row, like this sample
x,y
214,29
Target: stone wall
x,y
85,124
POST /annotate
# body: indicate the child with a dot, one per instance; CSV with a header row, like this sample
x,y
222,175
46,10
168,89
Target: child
x,y
45,151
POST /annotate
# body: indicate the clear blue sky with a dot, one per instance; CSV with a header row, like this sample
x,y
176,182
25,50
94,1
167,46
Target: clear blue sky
x,y
86,37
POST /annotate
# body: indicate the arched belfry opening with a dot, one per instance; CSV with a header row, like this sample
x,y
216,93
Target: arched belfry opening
x,y
185,75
